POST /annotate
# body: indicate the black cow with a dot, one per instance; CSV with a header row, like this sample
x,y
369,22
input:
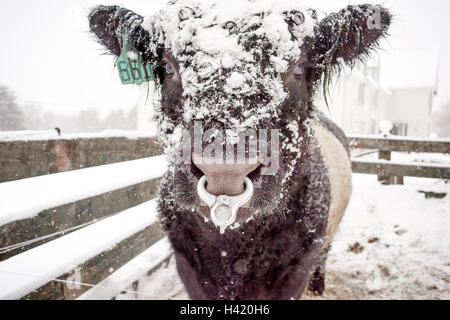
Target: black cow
x,y
226,71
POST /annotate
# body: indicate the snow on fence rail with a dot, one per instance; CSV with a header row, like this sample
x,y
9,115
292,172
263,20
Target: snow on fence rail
x,y
23,158
60,227
393,172
38,209
398,143
85,256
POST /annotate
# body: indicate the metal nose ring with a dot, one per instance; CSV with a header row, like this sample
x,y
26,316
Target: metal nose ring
x,y
223,208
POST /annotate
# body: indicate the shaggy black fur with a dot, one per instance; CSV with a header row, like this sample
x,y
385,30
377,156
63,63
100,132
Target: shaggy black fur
x,y
271,257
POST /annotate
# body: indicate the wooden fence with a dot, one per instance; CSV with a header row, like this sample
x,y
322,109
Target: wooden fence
x,y
87,236
21,241
390,172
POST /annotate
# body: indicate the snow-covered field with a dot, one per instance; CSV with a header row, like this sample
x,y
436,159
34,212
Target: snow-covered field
x,y
393,243
403,238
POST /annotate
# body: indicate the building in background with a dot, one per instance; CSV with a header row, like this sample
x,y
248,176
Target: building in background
x,y
414,87
355,97
398,87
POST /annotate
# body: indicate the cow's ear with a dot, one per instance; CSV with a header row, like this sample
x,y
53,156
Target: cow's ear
x,y
349,34
110,23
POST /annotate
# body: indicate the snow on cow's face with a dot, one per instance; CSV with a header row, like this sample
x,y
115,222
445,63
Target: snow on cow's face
x,y
234,69
239,66
226,63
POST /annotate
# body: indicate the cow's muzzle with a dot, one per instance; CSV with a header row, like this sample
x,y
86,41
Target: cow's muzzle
x,y
225,188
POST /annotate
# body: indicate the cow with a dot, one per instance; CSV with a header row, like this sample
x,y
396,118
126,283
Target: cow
x,y
225,72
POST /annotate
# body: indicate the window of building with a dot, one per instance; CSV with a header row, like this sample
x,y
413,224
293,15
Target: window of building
x,y
374,127
375,99
400,129
361,93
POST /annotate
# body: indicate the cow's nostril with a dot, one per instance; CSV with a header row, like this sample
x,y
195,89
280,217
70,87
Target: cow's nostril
x,y
255,175
225,179
196,171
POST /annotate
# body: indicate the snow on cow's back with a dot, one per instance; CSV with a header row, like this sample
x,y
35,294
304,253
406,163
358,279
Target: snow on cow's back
x,y
245,46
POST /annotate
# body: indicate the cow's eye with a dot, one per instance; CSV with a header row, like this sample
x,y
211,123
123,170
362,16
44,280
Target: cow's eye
x,y
299,71
169,69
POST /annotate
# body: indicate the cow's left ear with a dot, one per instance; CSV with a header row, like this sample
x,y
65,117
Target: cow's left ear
x,y
110,23
349,34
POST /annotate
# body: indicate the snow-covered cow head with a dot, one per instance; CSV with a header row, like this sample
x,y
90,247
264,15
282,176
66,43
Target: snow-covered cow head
x,y
228,71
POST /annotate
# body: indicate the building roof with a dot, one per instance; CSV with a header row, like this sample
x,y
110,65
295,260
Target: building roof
x,y
409,69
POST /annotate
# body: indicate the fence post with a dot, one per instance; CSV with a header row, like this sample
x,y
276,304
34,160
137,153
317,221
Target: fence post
x,y
382,177
385,155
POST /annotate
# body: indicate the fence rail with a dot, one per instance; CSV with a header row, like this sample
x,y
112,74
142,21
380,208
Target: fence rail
x,y
390,172
386,169
97,268
21,235
399,144
87,219
25,159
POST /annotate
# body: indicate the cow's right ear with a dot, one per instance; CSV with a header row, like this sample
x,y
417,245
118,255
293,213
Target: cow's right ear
x,y
350,34
110,23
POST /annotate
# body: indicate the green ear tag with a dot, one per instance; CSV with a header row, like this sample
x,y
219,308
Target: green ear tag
x,y
130,66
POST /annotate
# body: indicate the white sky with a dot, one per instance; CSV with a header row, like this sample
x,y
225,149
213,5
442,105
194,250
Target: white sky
x,y
48,57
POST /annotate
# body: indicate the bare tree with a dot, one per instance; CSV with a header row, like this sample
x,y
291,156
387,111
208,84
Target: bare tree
x,y
441,120
32,116
11,116
118,119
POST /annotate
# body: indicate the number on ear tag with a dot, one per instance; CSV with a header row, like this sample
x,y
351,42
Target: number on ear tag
x,y
133,71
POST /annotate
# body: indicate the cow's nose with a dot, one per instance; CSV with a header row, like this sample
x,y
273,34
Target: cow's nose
x,y
223,178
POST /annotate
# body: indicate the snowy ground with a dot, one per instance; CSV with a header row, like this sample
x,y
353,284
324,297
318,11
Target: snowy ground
x,y
392,244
